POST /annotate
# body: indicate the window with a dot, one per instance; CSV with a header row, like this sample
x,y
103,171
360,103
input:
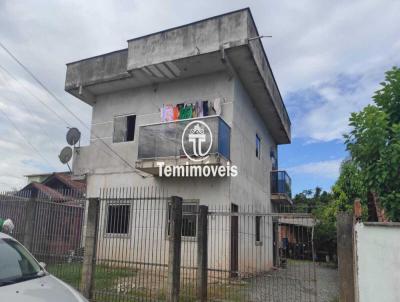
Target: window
x,y
124,128
118,219
258,229
189,219
258,147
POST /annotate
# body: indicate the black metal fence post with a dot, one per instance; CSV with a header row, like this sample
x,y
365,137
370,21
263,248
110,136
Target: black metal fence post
x,y
202,254
174,261
88,268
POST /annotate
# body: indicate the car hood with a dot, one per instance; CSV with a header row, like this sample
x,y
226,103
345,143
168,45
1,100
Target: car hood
x,y
47,288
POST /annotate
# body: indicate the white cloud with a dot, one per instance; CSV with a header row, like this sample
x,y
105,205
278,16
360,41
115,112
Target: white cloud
x,y
324,169
322,41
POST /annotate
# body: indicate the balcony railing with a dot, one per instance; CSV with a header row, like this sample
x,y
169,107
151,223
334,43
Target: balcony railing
x,y
164,140
281,183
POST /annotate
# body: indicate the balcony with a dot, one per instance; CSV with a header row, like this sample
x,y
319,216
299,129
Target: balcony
x,y
281,187
163,142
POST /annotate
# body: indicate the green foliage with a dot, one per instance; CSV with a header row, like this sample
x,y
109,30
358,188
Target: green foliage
x,y
325,205
374,144
320,203
348,187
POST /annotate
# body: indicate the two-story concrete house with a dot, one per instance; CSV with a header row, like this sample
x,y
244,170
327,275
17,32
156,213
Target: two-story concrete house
x,y
218,65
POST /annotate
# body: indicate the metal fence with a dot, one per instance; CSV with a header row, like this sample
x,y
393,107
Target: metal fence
x,y
229,253
51,228
132,250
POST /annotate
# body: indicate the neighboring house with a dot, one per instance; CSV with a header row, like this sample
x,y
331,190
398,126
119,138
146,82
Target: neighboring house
x,y
56,186
295,236
59,201
220,60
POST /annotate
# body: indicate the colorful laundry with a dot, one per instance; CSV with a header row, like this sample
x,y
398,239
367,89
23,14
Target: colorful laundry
x,y
162,112
183,111
217,106
169,113
205,108
176,113
186,112
199,105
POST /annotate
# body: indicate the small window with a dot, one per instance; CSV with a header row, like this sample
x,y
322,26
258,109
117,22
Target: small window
x,y
189,219
258,146
118,219
124,128
258,228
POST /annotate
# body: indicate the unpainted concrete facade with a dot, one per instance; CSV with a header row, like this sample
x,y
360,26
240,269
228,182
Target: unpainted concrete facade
x,y
213,58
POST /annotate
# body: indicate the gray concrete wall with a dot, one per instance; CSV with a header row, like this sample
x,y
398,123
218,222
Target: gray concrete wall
x,y
189,40
250,188
183,52
106,170
252,185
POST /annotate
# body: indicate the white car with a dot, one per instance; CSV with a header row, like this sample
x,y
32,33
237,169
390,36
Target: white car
x,y
24,279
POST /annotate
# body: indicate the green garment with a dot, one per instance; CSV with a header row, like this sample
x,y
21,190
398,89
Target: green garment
x,y
1,224
186,112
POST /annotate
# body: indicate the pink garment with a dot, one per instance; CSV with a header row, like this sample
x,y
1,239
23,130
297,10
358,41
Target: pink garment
x,y
169,113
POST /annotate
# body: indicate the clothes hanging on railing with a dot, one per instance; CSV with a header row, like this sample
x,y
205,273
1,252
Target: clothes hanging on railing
x,y
176,113
186,112
199,105
169,113
190,110
162,113
217,106
205,108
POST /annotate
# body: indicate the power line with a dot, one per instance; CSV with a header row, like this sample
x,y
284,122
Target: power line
x,y
65,107
26,140
29,111
33,95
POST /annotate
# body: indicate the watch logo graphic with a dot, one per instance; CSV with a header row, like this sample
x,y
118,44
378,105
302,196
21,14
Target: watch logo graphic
x,y
197,140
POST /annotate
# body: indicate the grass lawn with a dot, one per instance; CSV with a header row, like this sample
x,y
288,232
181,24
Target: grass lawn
x,y
105,276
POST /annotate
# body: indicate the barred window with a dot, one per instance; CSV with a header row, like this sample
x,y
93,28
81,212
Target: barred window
x,y
189,219
118,219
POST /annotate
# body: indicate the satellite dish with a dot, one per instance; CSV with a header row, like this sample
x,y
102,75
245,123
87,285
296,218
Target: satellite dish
x,y
65,154
73,136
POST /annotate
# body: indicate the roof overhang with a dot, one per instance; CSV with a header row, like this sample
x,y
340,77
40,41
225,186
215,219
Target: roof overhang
x,y
224,43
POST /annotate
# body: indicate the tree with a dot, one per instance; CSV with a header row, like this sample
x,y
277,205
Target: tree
x,y
347,187
321,204
374,145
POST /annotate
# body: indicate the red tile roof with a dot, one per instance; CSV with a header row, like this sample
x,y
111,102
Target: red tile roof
x,y
45,190
66,179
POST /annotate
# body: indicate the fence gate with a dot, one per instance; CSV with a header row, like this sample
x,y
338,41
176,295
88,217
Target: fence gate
x,y
256,256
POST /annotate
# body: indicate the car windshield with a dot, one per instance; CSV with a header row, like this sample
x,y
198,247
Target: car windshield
x,y
16,264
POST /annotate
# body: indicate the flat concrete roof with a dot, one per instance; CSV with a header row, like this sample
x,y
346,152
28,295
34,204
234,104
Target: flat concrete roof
x,y
226,42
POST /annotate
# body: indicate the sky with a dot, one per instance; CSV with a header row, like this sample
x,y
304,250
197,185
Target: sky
x,y
328,58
